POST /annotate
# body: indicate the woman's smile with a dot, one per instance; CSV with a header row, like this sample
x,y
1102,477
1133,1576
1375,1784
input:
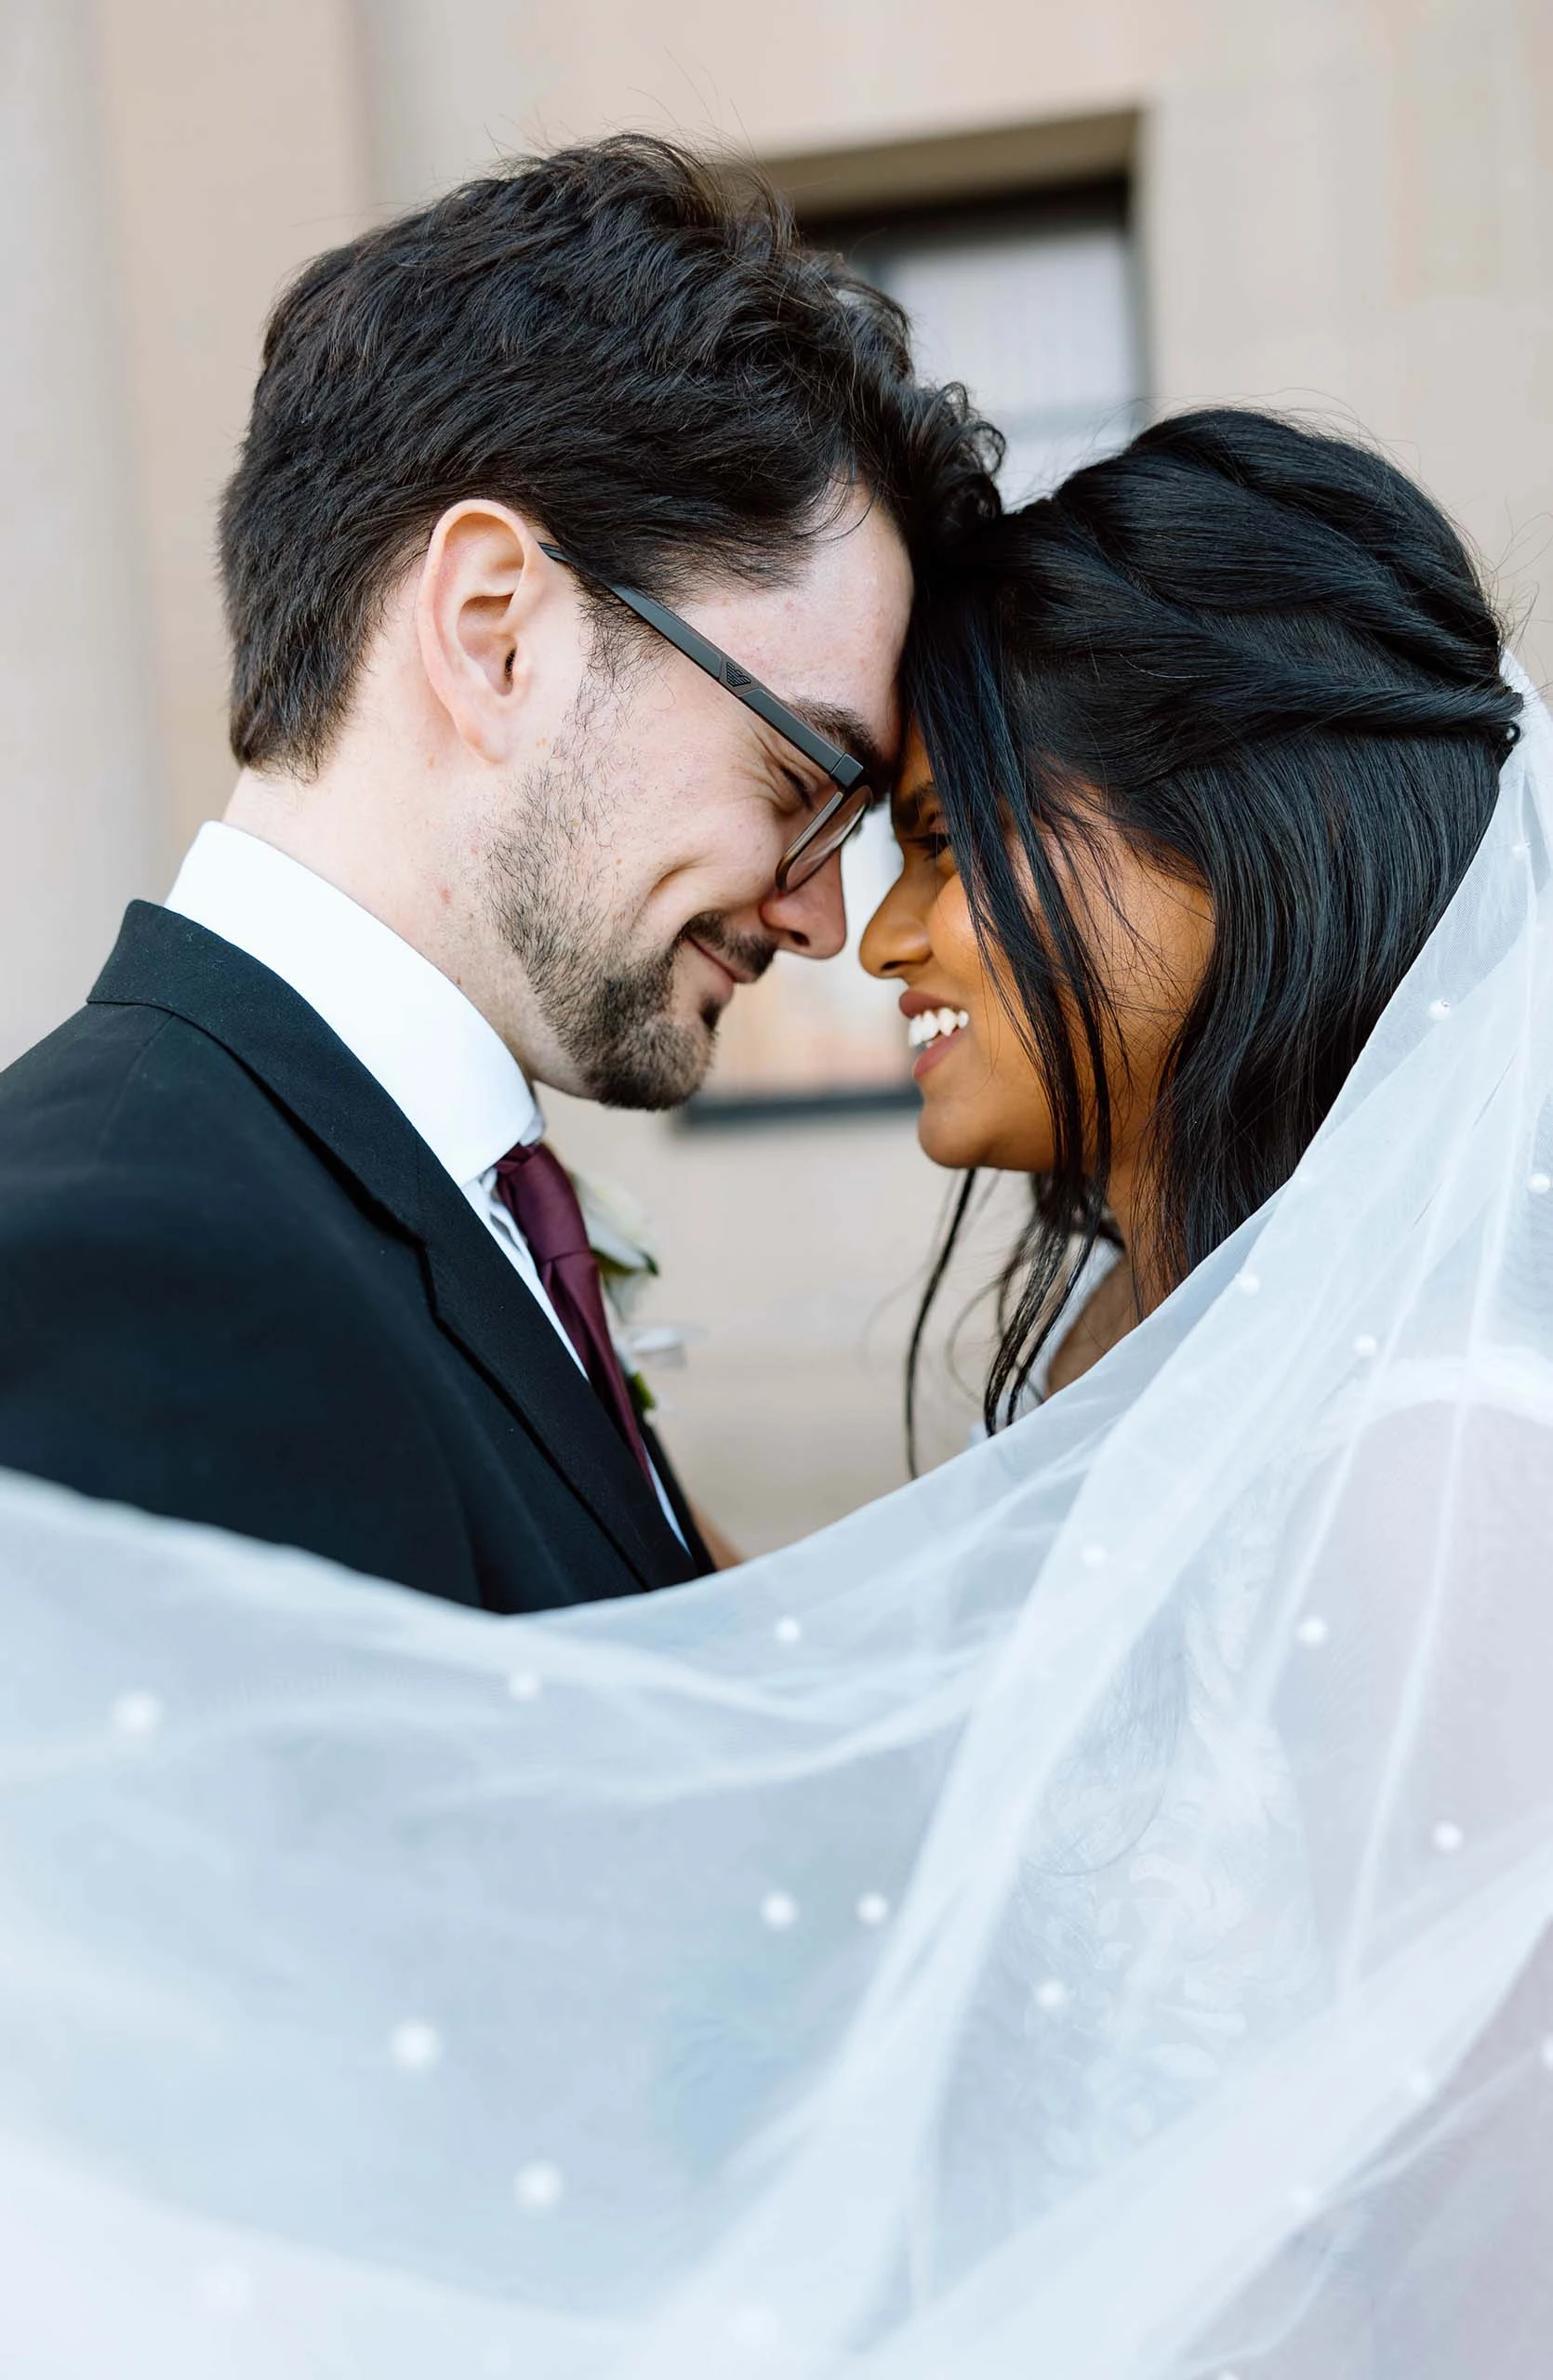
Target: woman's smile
x,y
985,1108
932,1029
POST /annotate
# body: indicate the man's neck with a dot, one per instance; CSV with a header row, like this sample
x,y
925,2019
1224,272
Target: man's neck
x,y
368,848
318,825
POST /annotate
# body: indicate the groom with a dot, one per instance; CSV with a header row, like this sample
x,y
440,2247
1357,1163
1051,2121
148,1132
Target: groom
x,y
283,1248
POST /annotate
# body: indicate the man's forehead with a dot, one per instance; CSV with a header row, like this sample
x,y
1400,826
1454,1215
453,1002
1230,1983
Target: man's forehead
x,y
829,637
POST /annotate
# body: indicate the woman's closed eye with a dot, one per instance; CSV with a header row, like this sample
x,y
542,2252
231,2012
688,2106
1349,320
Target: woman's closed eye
x,y
918,828
926,842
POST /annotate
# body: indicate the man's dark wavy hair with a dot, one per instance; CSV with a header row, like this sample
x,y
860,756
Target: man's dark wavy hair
x,y
626,342
1267,657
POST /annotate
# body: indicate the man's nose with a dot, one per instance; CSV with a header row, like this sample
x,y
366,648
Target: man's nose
x,y
810,920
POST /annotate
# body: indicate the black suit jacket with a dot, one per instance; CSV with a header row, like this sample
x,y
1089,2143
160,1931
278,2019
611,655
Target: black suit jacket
x,y
236,1287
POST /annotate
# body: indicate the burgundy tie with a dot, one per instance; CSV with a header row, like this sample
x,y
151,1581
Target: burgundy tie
x,y
532,1185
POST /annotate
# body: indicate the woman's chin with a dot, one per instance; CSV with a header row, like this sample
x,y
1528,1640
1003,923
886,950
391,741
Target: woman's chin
x,y
950,1140
961,1136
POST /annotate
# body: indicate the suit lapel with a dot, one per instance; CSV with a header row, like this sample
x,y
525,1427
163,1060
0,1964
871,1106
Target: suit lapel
x,y
166,961
700,1557
483,1304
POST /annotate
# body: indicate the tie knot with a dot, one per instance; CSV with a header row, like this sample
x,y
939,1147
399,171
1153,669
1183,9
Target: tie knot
x,y
538,1188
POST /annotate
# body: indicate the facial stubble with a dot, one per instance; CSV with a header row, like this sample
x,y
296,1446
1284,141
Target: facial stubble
x,y
608,1005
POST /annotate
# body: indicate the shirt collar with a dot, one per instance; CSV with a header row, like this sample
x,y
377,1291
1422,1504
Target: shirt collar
x,y
412,1028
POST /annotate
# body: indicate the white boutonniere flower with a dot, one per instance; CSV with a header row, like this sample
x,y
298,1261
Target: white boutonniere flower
x,y
620,1234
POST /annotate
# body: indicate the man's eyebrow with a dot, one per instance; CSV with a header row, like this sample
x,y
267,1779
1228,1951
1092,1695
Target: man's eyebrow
x,y
841,726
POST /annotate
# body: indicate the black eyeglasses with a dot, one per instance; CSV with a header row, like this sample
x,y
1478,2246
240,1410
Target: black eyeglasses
x,y
837,820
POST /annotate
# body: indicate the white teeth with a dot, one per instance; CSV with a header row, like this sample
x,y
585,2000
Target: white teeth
x,y
921,1031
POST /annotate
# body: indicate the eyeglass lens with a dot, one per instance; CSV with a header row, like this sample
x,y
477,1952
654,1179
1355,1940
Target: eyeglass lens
x,y
823,838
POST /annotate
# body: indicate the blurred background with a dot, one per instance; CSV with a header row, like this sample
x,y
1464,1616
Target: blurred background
x,y
1094,211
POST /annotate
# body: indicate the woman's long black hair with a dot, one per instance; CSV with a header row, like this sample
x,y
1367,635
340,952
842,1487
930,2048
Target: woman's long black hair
x,y
1265,656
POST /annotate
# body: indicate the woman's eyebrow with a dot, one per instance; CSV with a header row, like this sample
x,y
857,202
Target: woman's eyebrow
x,y
906,809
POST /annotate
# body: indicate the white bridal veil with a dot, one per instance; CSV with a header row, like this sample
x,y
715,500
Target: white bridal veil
x,y
1079,1917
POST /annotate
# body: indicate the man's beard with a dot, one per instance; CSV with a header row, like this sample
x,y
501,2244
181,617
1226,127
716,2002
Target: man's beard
x,y
608,1006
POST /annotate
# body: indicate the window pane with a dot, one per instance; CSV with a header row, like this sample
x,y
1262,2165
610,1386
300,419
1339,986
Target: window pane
x,y
1038,326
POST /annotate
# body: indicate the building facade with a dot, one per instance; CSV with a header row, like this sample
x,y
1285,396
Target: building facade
x,y
1095,212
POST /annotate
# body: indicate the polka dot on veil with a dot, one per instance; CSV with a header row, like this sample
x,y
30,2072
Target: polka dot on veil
x,y
415,2046
539,2187
136,1716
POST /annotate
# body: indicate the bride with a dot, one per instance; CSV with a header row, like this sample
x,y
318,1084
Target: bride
x,y
1079,1916
1218,728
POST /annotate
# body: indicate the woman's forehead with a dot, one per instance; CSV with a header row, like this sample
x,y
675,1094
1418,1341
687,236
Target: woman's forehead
x,y
914,790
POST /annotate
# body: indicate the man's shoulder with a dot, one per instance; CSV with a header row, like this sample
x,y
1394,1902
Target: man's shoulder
x,y
114,1083
130,1129
98,1044
153,1198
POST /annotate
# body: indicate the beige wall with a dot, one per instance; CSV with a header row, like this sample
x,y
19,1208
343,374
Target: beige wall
x,y
79,795
164,166
1344,205
235,142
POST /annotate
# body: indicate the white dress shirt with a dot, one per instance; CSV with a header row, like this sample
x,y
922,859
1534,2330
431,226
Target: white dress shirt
x,y
444,1067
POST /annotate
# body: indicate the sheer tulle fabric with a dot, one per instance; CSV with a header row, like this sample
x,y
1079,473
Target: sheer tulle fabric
x,y
1079,1916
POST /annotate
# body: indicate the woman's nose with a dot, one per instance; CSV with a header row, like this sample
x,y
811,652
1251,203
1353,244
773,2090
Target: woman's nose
x,y
895,937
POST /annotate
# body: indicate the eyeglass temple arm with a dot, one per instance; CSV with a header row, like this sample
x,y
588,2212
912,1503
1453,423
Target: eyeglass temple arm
x,y
843,767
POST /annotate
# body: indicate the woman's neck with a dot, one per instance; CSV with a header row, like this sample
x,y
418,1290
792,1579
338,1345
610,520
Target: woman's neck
x,y
1114,1307
1105,1317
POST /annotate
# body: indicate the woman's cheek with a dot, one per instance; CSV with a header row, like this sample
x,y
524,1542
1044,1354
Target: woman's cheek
x,y
954,937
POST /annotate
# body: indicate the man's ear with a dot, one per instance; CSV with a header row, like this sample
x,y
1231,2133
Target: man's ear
x,y
482,582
